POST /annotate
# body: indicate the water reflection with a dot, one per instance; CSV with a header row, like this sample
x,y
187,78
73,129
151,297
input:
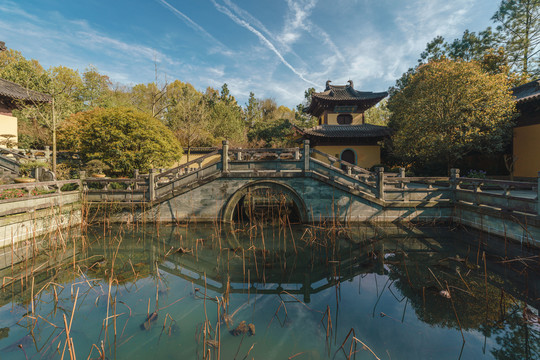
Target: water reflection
x,y
404,292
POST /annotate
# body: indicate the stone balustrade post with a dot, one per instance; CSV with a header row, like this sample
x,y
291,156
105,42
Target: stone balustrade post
x,y
296,154
47,153
306,155
239,156
82,177
454,176
538,195
225,156
380,183
152,184
402,175
454,184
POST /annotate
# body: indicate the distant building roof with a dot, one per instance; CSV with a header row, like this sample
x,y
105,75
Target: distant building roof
x,y
347,131
527,92
336,95
15,91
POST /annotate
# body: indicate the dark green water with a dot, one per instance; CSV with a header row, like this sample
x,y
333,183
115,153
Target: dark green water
x,y
380,285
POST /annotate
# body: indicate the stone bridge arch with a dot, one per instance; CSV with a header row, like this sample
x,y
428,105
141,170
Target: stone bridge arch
x,y
227,212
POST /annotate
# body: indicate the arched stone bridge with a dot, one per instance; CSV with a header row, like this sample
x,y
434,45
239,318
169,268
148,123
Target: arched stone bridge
x,y
319,190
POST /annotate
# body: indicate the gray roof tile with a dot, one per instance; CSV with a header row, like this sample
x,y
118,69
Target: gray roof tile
x,y
17,92
527,92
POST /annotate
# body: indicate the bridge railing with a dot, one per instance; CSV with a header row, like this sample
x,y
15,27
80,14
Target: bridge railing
x,y
181,170
17,198
508,196
402,188
264,154
115,189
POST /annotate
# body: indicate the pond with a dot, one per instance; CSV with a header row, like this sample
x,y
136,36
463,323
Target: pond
x,y
270,292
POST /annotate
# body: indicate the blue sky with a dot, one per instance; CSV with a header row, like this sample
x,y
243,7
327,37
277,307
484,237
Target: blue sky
x,y
275,48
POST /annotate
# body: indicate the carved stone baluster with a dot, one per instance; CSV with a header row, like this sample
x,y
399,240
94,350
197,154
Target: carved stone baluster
x,y
380,183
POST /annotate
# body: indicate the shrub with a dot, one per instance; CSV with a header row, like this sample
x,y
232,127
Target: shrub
x,y
123,138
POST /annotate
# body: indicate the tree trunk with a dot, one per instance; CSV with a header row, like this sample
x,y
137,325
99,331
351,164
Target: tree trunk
x,y
54,138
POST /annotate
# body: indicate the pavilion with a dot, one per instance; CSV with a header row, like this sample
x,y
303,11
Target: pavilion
x,y
342,131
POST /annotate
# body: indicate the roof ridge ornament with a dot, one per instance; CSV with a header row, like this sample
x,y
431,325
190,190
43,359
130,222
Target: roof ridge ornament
x,y
328,85
351,84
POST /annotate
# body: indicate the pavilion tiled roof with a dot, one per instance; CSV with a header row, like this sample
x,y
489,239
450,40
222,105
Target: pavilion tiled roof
x,y
527,92
347,131
15,91
343,95
347,92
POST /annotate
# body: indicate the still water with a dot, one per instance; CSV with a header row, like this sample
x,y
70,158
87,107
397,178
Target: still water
x,y
291,292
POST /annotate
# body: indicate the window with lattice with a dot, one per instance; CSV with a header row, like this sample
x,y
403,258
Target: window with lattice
x,y
344,119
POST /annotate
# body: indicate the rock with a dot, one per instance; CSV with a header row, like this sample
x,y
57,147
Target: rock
x,y
241,329
444,294
147,324
4,332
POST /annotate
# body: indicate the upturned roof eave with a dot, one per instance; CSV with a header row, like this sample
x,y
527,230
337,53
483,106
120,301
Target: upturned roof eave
x,y
16,92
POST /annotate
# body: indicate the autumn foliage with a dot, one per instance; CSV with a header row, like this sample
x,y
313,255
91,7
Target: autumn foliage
x,y
449,109
123,138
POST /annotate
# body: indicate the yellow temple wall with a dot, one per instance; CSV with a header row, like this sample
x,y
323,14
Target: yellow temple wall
x,y
366,155
8,126
332,118
527,150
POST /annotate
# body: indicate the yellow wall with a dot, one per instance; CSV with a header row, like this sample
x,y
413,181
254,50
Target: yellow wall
x,y
8,125
192,157
527,150
332,118
366,155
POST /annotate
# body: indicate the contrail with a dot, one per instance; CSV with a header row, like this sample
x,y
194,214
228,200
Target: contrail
x,y
261,37
190,22
248,17
312,28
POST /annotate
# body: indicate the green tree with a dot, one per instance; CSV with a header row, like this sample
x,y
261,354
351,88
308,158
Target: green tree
x,y
16,68
448,109
150,98
252,113
96,90
302,119
123,138
188,116
379,114
226,116
63,85
519,24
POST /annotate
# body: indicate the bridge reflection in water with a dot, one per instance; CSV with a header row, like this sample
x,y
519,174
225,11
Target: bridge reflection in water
x,y
376,280
305,260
